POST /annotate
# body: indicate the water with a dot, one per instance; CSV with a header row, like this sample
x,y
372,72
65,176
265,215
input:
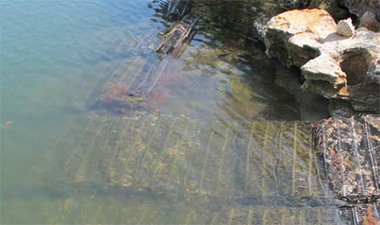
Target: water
x,y
215,142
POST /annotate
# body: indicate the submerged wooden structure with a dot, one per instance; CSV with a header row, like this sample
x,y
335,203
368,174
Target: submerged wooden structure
x,y
152,53
351,154
179,170
177,36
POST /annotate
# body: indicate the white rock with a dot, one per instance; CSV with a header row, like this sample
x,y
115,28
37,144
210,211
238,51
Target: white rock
x,y
345,28
334,66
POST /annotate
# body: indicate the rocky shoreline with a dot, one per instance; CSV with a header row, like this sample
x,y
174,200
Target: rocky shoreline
x,y
340,62
332,65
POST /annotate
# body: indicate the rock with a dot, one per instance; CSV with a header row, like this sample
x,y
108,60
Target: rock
x,y
334,66
294,36
369,21
360,7
338,107
261,28
332,6
292,4
345,28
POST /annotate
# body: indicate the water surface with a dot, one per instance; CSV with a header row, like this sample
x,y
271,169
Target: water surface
x,y
214,142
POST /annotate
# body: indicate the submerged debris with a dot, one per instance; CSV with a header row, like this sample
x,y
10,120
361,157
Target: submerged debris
x,y
118,99
177,35
350,147
350,150
6,124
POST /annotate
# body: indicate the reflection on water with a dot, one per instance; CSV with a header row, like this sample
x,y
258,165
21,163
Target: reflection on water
x,y
108,131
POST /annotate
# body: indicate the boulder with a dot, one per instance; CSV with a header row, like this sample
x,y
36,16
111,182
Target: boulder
x,y
369,21
334,66
346,28
360,7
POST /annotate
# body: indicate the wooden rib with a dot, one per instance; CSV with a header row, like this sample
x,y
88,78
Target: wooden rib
x,y
281,136
231,216
250,217
88,150
319,176
138,71
294,159
156,165
180,148
97,213
248,158
116,150
140,161
135,142
234,162
207,154
158,76
222,159
357,156
283,218
375,175
310,163
99,154
340,152
131,67
355,216
265,216
319,216
266,136
190,161
216,215
142,216
376,211
188,219
78,148
279,141
96,84
325,159
301,217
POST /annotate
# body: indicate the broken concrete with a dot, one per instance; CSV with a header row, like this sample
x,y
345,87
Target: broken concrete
x,y
334,66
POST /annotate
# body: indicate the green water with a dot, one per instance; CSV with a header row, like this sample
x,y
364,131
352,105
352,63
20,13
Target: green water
x,y
216,142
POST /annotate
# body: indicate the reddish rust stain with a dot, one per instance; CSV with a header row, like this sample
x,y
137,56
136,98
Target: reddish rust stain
x,y
369,219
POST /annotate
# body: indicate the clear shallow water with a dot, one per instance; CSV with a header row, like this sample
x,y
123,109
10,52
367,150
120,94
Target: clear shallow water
x,y
208,146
